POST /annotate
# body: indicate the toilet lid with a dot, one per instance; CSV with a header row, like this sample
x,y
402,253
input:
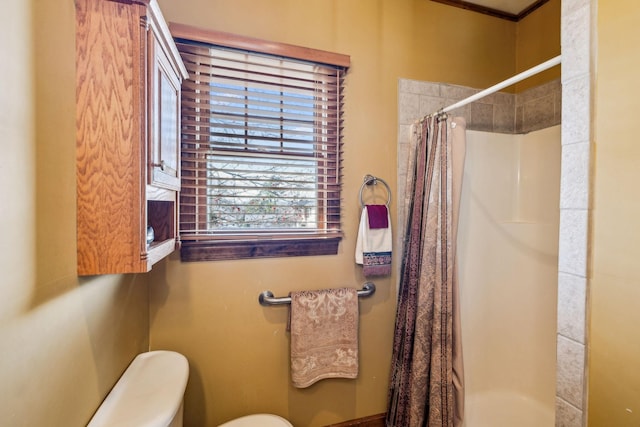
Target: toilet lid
x,y
261,420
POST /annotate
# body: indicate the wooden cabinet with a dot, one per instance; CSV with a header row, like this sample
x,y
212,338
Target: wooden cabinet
x,y
128,75
164,114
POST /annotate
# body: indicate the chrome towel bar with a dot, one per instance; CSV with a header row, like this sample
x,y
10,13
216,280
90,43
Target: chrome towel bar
x,y
267,298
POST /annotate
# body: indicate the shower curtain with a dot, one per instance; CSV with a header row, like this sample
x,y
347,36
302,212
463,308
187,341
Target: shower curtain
x,y
426,385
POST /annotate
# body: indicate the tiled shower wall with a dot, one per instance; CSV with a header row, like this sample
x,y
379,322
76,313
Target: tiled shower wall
x,y
535,109
577,19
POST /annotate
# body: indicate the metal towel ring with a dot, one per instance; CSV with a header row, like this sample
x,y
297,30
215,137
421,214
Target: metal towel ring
x,y
372,180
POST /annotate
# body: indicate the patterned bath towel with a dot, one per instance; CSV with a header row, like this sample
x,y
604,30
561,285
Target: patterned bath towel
x,y
374,244
324,335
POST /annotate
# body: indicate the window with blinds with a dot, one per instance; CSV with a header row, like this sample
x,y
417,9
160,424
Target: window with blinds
x,y
261,148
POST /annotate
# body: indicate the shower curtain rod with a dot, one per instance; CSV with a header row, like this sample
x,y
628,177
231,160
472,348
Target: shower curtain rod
x,y
515,79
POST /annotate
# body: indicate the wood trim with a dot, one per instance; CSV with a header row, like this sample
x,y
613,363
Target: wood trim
x,y
370,421
110,188
220,250
257,45
492,12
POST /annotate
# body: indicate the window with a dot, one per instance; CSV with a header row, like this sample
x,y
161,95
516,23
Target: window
x,y
261,148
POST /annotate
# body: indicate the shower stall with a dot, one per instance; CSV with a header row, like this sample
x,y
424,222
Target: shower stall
x,y
507,261
507,249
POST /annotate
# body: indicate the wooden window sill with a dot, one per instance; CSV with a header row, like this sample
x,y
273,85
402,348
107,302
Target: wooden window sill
x,y
218,250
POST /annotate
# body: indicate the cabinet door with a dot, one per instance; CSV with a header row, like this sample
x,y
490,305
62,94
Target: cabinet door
x,y
164,109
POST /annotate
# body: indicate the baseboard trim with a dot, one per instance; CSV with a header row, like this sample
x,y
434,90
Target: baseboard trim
x,y
370,421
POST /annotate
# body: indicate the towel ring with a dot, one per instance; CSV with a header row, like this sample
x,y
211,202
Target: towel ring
x,y
372,180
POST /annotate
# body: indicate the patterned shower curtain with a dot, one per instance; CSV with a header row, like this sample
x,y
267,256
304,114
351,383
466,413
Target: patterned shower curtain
x,y
426,384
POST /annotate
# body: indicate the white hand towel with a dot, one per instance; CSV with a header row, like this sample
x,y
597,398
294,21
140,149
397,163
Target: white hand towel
x,y
373,247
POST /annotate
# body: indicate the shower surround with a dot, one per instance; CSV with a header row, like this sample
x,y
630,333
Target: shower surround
x,y
507,244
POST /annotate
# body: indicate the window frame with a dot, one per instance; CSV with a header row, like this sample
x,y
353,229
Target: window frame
x,y
266,245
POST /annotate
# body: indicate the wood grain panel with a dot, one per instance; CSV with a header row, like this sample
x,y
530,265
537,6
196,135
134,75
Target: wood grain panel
x,y
253,44
108,149
161,217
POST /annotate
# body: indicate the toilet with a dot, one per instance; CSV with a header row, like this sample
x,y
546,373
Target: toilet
x,y
149,393
258,420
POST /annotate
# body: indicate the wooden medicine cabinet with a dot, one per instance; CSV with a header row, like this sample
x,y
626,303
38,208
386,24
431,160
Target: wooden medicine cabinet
x,y
128,77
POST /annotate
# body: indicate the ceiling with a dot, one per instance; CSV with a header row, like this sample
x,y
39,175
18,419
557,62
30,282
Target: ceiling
x,y
513,7
513,10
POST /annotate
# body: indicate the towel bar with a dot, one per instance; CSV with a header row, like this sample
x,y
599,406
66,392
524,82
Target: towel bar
x,y
267,298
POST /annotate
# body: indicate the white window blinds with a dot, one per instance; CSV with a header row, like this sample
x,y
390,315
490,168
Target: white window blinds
x,y
261,145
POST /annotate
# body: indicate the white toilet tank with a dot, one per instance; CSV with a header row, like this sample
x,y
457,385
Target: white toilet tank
x,y
149,393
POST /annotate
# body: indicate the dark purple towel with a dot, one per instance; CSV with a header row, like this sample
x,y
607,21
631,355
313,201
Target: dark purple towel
x,y
378,217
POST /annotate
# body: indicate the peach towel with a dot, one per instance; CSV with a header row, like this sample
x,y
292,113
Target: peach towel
x,y
324,335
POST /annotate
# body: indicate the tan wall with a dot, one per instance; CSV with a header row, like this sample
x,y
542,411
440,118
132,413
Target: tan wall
x,y
614,376
238,350
537,40
63,341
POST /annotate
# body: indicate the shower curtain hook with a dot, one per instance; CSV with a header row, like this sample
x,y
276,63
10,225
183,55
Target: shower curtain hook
x,y
438,115
441,115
